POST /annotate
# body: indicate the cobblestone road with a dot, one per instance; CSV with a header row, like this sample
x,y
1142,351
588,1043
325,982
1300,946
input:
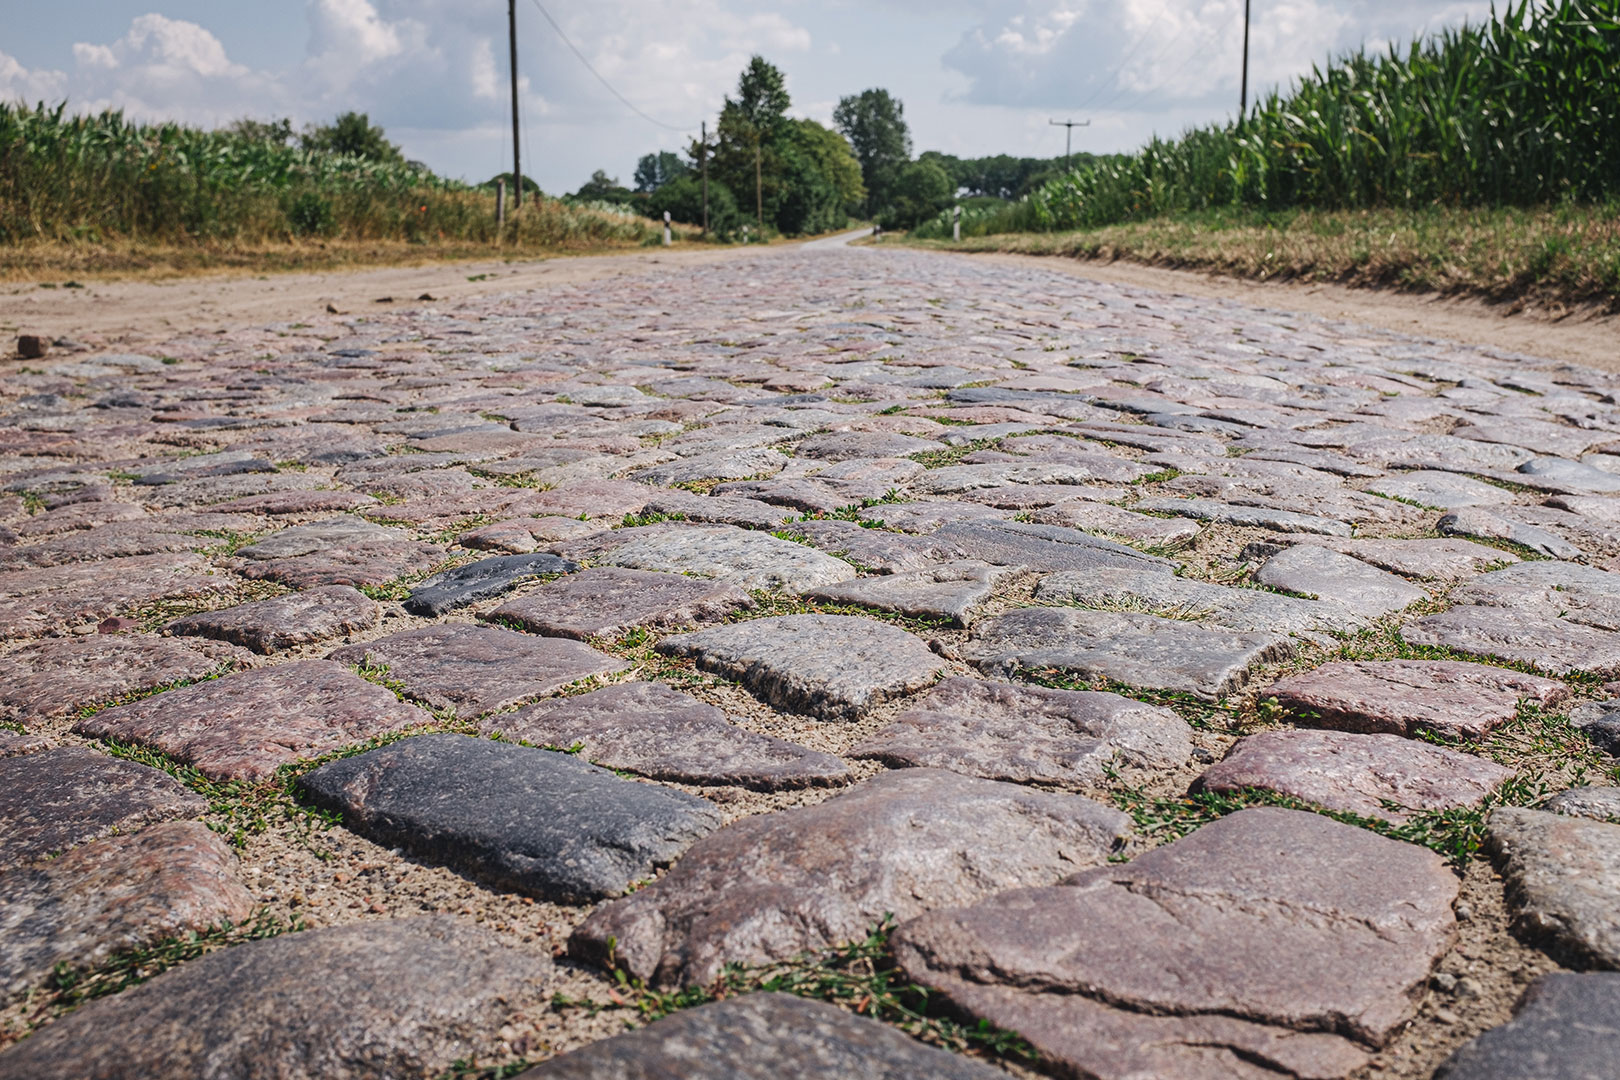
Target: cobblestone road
x,y
1182,689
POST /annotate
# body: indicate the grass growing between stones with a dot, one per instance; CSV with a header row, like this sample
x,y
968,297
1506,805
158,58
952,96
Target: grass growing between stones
x,y
952,455
70,986
859,976
239,809
1456,834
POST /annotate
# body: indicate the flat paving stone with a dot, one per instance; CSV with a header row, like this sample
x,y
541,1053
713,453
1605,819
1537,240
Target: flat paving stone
x,y
770,887
35,601
601,499
1043,548
1451,698
286,622
13,744
52,680
1153,591
54,800
1600,722
277,503
1098,517
1386,777
1505,525
1285,521
609,601
1324,574
368,1001
319,536
925,517
741,557
1270,942
115,894
876,550
1440,490
516,817
845,445
832,667
951,592
1137,650
1445,560
762,1037
1579,594
1099,467
1599,803
719,509
362,563
1028,734
720,465
247,725
520,536
1565,1027
118,540
476,669
655,731
1556,646
1563,880
480,581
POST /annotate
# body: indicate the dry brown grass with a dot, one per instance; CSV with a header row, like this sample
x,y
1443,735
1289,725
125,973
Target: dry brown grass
x,y
1544,257
57,261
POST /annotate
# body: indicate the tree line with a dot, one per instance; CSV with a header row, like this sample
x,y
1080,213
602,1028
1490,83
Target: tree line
x,y
796,177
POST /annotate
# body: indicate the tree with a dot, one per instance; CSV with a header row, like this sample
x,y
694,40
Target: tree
x,y
874,122
758,113
275,132
821,179
921,190
529,186
354,134
603,188
653,171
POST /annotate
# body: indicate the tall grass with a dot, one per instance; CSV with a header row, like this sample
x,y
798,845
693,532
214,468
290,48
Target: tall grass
x,y
1519,111
105,179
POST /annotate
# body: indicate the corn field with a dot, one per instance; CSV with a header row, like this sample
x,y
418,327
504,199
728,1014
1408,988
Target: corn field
x,y
1522,110
97,179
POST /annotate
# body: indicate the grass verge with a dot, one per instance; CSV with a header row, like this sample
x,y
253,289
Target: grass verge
x,y
1546,257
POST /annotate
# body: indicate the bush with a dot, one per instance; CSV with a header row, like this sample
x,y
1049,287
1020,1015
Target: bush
x,y
311,215
921,191
683,198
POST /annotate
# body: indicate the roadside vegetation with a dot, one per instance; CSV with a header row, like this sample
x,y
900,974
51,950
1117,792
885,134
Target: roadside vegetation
x,y
88,193
1484,159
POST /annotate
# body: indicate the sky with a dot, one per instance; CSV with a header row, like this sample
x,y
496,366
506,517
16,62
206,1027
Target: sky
x,y
976,77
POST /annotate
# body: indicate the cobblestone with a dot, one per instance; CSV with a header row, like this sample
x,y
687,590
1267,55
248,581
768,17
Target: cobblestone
x,y
1089,492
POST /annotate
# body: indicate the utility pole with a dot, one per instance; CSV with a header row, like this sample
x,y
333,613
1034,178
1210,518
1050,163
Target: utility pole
x,y
1243,98
517,167
703,163
759,191
1068,127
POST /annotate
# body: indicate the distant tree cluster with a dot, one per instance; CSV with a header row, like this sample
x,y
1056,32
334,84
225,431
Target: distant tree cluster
x,y
797,177
352,134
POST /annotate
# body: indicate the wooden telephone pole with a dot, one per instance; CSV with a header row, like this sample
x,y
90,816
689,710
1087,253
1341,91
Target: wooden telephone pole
x,y
517,165
1068,127
703,162
1243,96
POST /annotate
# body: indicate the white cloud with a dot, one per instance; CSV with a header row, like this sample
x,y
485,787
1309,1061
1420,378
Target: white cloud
x,y
17,83
1150,54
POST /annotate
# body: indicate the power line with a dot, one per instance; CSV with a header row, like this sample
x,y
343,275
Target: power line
x,y
1137,98
1112,75
581,57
